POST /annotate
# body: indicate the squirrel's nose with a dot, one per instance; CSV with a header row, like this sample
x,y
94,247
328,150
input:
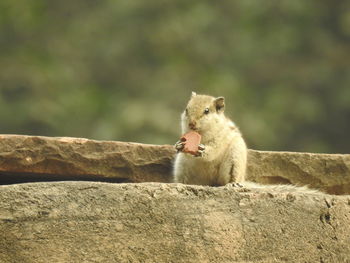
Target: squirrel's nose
x,y
192,124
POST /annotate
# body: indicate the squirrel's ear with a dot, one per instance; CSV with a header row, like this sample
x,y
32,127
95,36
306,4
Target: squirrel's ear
x,y
219,104
193,94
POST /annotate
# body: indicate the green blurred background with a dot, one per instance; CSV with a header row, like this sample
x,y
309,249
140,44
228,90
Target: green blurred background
x,y
124,70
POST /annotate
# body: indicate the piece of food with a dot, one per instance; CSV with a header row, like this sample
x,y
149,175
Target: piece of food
x,y
191,142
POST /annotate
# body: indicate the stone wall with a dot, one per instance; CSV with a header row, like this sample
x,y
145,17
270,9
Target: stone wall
x,y
128,219
153,222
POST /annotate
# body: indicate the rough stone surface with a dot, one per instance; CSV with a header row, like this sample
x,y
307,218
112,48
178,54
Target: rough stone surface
x,y
155,222
37,158
327,172
33,158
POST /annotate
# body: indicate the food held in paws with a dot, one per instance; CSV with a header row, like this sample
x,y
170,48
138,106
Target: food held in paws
x,y
191,141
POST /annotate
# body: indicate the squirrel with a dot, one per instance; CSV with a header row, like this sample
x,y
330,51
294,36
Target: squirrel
x,y
222,154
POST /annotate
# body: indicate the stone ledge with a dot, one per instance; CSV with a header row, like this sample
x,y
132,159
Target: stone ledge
x,y
37,158
327,172
155,222
62,158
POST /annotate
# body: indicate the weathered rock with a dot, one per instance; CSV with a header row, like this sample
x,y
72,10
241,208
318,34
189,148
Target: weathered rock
x,y
38,158
33,158
154,222
327,172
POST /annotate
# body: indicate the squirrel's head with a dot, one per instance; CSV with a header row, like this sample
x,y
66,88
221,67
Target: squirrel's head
x,y
202,113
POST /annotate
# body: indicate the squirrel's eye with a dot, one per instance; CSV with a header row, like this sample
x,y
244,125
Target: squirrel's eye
x,y
206,111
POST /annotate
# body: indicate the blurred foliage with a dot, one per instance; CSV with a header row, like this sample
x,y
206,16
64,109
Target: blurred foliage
x,y
124,70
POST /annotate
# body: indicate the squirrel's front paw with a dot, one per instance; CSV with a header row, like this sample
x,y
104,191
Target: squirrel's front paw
x,y
179,145
201,150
